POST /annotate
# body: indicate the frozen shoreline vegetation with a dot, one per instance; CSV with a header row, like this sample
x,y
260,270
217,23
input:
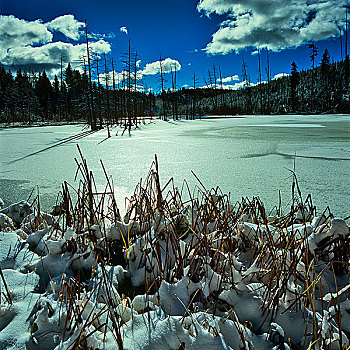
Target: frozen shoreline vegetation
x,y
182,269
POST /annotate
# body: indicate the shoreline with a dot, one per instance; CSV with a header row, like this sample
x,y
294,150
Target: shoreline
x,y
213,117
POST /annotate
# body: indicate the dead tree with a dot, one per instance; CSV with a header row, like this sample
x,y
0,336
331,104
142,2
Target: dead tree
x,y
128,72
247,90
221,88
313,54
194,102
92,118
114,94
260,87
161,76
107,90
346,33
97,61
268,74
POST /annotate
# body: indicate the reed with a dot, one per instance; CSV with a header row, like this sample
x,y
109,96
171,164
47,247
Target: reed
x,y
170,233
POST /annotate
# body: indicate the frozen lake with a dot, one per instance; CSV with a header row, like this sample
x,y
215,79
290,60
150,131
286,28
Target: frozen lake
x,y
245,156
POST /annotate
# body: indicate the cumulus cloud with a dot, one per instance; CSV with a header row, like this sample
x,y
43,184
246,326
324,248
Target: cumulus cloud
x,y
272,24
100,47
47,57
67,25
124,30
29,44
168,65
18,32
229,79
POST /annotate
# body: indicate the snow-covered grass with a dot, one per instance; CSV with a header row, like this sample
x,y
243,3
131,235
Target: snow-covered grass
x,y
182,269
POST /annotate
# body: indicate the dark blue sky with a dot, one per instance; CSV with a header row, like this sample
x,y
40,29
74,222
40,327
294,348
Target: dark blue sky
x,y
177,30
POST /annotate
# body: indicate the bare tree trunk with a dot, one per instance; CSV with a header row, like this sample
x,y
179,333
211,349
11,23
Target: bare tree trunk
x,y
268,81
129,84
194,111
162,87
215,90
107,91
176,100
341,43
91,101
114,95
221,88
135,88
99,92
346,33
260,87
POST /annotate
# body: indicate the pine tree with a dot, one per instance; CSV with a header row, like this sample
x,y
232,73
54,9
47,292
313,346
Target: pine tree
x,y
56,97
313,54
325,86
247,89
43,90
68,76
26,100
294,82
325,62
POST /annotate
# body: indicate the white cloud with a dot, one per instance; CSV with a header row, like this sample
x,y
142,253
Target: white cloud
x,y
139,88
28,45
18,32
67,25
50,54
124,30
119,76
98,36
272,24
229,79
238,86
99,47
168,65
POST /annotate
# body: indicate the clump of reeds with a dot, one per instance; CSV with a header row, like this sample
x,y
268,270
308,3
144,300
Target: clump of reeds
x,y
169,233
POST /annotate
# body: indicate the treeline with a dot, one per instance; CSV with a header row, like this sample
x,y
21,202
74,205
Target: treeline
x,y
30,97
323,89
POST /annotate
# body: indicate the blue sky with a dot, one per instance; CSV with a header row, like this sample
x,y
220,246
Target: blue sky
x,y
192,35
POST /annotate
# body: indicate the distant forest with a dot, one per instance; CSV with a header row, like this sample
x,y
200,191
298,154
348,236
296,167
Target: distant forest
x,y
28,97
